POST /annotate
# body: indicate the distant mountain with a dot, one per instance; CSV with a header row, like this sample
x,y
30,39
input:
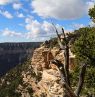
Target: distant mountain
x,y
12,54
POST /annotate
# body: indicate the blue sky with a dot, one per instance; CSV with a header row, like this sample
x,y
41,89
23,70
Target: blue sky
x,y
30,20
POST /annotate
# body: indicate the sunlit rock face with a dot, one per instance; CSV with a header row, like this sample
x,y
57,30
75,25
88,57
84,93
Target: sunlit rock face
x,y
50,82
42,57
49,85
12,54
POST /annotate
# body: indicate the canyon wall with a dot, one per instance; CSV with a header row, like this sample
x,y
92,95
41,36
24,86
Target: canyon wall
x,y
12,54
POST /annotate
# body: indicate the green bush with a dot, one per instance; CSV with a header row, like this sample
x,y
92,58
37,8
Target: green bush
x,y
89,82
14,78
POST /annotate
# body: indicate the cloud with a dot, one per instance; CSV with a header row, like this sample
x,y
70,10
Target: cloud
x,y
61,9
6,14
10,33
77,26
91,4
29,19
4,2
36,29
20,15
21,24
17,6
92,24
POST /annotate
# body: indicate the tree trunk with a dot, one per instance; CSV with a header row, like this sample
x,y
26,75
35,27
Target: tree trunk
x,y
68,91
66,65
81,80
60,66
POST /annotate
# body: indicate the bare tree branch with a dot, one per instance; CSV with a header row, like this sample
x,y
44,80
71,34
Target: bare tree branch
x,y
59,39
81,79
66,54
60,66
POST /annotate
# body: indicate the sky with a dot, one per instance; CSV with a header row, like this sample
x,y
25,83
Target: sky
x,y
31,20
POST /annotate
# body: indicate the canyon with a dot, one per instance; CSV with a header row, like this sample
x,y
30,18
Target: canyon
x,y
12,54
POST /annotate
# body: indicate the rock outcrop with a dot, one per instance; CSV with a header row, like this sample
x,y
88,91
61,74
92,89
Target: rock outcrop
x,y
49,85
42,57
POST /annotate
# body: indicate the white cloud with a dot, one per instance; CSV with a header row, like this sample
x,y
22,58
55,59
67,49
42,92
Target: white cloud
x,y
92,24
29,19
4,2
91,4
6,14
17,6
10,33
61,9
77,26
20,15
22,25
36,29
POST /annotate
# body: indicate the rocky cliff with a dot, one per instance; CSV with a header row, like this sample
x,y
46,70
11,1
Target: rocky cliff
x,y
38,78
50,82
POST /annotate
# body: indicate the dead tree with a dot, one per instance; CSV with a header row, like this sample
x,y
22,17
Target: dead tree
x,y
64,68
81,79
68,90
66,53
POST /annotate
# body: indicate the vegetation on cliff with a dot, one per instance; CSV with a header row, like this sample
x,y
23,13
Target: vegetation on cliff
x,y
10,83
